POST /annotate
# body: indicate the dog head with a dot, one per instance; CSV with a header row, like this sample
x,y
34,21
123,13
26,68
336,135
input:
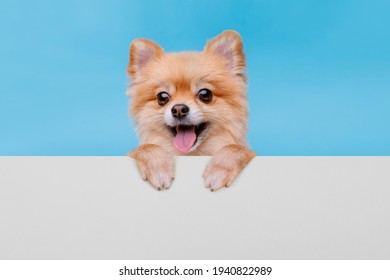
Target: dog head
x,y
189,102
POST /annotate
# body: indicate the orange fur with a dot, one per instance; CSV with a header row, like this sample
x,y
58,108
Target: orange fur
x,y
220,67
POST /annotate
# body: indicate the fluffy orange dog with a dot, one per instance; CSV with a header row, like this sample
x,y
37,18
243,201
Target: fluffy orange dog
x,y
190,103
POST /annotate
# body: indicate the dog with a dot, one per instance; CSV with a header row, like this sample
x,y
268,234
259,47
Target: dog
x,y
192,104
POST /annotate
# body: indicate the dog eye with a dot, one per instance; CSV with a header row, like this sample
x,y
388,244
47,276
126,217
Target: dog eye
x,y
162,98
205,95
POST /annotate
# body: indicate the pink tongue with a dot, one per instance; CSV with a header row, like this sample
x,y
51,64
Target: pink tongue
x,y
185,138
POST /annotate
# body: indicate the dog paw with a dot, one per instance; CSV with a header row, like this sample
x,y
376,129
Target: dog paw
x,y
226,165
218,175
155,165
159,174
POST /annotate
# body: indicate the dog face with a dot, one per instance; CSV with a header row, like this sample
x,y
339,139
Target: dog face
x,y
191,102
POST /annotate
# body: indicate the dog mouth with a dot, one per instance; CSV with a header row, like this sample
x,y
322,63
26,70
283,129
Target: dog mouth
x,y
186,136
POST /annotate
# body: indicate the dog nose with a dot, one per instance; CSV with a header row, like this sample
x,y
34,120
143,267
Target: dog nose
x,y
180,110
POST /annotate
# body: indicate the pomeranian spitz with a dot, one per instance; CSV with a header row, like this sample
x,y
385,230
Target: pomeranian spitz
x,y
192,104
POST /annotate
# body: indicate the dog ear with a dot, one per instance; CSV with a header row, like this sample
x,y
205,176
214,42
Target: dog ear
x,y
228,45
142,51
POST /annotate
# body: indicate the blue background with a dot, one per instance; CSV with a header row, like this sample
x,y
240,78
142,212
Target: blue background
x,y
319,71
